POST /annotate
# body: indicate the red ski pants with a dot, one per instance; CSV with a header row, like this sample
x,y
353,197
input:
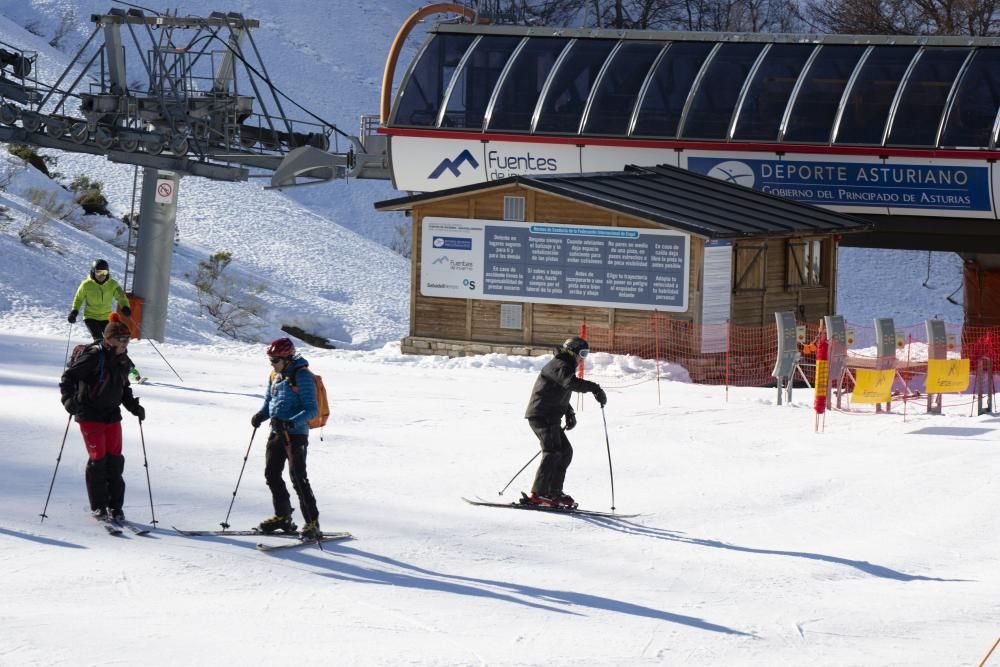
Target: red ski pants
x,y
102,439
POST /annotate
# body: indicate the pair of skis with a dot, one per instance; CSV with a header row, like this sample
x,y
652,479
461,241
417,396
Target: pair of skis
x,y
298,540
544,508
118,527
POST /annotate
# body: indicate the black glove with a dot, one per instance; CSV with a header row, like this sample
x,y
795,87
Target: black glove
x,y
137,410
570,420
72,316
126,311
257,420
71,406
599,394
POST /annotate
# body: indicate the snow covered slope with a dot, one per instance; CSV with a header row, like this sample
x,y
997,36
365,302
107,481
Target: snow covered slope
x,y
759,542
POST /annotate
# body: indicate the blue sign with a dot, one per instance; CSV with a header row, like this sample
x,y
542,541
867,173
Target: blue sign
x,y
882,185
452,243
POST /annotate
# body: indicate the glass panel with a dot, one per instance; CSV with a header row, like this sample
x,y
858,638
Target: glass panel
x,y
567,96
766,99
819,96
520,89
869,101
664,99
619,89
716,97
975,107
922,102
472,92
421,99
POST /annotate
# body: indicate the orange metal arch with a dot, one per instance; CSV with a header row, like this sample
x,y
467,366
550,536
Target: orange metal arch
x,y
397,45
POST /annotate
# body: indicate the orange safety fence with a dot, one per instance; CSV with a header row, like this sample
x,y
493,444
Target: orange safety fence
x,y
744,356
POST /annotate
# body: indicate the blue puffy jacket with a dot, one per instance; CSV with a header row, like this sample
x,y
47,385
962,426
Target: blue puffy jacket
x,y
295,405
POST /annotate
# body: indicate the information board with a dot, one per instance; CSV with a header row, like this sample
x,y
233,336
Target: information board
x,y
612,267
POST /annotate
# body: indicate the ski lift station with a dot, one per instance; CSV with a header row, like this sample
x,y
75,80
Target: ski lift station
x,y
898,132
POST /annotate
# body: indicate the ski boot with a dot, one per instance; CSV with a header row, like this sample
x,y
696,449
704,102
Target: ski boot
x,y
538,500
565,500
311,531
116,515
276,523
101,513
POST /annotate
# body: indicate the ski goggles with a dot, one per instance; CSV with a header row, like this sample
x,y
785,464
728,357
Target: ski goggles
x,y
583,353
101,274
275,360
121,340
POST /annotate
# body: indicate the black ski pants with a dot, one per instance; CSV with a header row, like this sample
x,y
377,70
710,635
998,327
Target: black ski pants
x,y
557,454
105,484
96,328
278,450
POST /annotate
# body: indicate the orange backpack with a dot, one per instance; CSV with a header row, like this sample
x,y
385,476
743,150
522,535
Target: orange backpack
x,y
323,412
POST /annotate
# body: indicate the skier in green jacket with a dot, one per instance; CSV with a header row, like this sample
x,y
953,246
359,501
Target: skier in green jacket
x,y
98,291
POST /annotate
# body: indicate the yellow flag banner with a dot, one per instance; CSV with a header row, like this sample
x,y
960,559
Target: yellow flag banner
x,y
945,376
873,386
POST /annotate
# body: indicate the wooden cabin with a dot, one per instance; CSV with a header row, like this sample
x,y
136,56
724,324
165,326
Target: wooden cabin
x,y
516,265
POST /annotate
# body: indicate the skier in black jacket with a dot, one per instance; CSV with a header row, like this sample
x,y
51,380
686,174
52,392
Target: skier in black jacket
x,y
549,403
93,387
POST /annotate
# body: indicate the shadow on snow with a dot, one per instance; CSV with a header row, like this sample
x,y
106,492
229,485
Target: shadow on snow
x,y
633,528
41,540
413,576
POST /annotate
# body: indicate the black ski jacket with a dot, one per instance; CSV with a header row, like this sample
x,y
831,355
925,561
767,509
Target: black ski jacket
x,y
552,391
95,384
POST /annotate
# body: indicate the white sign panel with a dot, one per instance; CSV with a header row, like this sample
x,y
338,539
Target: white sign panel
x,y
427,165
611,267
166,190
716,295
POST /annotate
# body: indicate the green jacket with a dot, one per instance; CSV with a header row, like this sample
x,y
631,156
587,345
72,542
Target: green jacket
x,y
99,297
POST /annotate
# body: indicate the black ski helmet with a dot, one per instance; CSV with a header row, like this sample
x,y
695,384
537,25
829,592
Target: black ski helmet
x,y
98,265
576,345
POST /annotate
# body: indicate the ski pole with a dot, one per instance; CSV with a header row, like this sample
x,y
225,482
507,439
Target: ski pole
x,y
225,523
520,471
145,464
69,337
165,359
610,469
58,459
294,476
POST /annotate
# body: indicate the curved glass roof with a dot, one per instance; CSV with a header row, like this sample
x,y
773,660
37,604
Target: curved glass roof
x,y
902,92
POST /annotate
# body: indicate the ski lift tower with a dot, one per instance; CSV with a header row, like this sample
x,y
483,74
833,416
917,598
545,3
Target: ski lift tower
x,y
175,96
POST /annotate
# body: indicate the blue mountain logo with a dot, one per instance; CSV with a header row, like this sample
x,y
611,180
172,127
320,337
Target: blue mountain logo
x,y
453,165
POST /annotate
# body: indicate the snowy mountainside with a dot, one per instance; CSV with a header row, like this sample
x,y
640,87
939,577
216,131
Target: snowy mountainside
x,y
322,274
327,56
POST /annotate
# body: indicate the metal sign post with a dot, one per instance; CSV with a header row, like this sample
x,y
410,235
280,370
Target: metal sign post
x,y
788,353
937,348
885,350
836,333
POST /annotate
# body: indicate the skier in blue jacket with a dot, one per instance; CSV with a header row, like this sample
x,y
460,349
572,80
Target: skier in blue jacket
x,y
290,403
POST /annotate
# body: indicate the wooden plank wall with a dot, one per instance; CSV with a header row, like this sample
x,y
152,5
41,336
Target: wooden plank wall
x,y
808,303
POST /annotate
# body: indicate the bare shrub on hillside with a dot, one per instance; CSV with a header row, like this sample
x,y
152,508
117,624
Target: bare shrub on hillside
x,y
65,26
45,207
231,304
402,242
